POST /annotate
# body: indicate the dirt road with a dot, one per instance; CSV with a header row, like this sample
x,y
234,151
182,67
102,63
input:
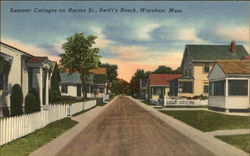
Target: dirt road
x,y
126,129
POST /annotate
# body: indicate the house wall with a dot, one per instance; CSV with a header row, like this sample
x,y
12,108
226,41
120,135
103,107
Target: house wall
x,y
71,91
200,77
216,73
156,97
237,102
217,101
15,70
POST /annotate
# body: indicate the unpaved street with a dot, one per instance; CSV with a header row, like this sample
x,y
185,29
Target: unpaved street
x,y
126,129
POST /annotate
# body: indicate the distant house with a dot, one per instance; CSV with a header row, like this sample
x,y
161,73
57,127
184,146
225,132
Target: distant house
x,y
197,62
159,85
96,84
143,88
229,82
26,70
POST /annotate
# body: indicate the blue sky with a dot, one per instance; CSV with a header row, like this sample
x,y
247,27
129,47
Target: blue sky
x,y
130,40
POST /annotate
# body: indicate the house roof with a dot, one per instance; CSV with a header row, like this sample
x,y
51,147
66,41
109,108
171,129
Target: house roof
x,y
15,49
162,79
187,77
245,58
37,59
235,66
99,70
73,78
143,83
216,52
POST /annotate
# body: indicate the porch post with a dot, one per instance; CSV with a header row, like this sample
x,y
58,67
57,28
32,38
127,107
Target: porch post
x,y
41,86
226,87
47,88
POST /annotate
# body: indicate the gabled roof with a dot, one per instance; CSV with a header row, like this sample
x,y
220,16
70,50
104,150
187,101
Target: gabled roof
x,y
15,49
162,79
99,70
235,66
37,60
143,83
216,52
73,78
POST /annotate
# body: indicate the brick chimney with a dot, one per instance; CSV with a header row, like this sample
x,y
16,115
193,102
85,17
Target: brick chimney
x,y
233,47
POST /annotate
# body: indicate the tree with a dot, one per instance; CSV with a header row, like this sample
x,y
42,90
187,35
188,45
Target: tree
x,y
163,70
179,70
30,101
54,92
37,102
120,86
16,100
111,73
80,55
135,81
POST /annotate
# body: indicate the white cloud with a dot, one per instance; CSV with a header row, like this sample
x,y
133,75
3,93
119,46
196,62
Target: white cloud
x,y
143,32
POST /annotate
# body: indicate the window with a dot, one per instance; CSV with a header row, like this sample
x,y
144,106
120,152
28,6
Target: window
x,y
157,91
237,87
205,89
217,88
187,87
64,89
206,68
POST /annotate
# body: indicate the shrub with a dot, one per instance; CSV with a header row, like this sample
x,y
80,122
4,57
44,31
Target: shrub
x,y
16,100
30,103
54,96
37,103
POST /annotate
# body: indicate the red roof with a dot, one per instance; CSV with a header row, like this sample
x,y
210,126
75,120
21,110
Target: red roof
x,y
246,58
162,79
37,59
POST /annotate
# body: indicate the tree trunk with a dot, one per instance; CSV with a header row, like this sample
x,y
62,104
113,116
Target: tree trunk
x,y
84,93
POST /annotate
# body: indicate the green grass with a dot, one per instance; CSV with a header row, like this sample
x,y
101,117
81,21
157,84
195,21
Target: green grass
x,y
186,106
239,141
210,121
25,145
148,103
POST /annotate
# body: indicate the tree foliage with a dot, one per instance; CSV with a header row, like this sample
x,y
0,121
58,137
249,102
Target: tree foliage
x,y
37,102
16,100
111,71
167,70
120,86
54,92
135,80
80,55
30,103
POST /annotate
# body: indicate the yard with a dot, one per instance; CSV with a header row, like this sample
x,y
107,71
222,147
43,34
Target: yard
x,y
209,121
29,143
240,141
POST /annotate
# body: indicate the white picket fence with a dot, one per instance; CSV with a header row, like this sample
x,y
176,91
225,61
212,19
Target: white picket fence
x,y
12,128
80,106
185,102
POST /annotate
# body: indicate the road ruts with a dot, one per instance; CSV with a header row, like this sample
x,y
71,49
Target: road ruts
x,y
126,129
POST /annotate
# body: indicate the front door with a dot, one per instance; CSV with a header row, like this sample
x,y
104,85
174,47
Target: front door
x,y
78,90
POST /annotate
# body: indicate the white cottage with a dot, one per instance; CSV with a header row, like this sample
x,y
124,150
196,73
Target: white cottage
x,y
26,70
229,83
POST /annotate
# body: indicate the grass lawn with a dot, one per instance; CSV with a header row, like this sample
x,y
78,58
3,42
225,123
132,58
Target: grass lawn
x,y
25,145
210,121
240,141
186,106
148,103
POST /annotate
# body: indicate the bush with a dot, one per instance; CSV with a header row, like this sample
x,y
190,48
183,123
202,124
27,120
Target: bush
x,y
37,103
16,100
54,96
30,103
